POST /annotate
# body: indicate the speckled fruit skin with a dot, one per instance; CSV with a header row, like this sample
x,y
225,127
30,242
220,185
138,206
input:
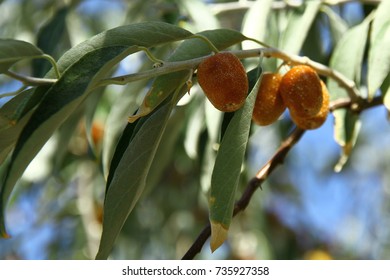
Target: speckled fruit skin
x,y
269,104
319,119
224,81
301,91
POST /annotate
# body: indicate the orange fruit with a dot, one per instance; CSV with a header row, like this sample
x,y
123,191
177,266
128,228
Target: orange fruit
x,y
224,81
269,104
317,120
301,91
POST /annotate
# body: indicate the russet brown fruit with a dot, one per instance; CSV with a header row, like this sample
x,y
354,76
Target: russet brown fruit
x,y
269,104
317,120
224,81
301,91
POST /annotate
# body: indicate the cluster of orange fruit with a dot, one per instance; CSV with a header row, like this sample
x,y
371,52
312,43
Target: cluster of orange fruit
x,y
224,81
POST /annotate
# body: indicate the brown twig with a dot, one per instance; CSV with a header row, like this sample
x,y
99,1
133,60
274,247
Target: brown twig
x,y
252,186
356,107
269,167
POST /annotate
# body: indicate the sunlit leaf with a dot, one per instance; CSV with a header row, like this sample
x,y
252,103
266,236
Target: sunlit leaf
x,y
256,23
195,126
12,51
379,52
298,26
385,89
200,14
346,130
347,58
192,48
337,25
386,99
227,169
219,234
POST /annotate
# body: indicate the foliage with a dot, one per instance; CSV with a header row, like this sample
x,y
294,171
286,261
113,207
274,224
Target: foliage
x,y
150,136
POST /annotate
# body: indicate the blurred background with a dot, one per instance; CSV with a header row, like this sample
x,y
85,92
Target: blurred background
x,y
305,210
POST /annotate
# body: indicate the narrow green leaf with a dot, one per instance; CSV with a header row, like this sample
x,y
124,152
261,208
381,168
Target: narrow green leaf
x,y
337,25
12,122
145,34
12,51
60,101
166,149
379,52
194,129
126,104
256,23
82,67
191,48
298,26
49,37
347,58
346,130
130,175
381,18
227,168
385,89
386,99
10,135
10,112
200,14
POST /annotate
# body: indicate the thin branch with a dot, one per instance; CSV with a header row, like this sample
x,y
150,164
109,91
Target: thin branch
x,y
170,67
30,81
252,186
361,106
276,160
343,81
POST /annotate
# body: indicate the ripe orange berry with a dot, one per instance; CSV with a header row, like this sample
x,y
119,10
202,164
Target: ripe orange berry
x,y
319,118
269,104
223,79
301,91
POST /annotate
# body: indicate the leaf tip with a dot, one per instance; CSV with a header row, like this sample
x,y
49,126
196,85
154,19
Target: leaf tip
x,y
219,234
4,235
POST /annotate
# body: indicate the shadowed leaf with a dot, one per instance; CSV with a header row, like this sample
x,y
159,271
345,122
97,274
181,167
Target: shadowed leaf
x,y
12,51
82,67
227,169
347,59
379,52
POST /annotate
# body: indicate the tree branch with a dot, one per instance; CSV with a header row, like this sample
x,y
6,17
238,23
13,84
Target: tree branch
x,y
170,67
356,107
252,186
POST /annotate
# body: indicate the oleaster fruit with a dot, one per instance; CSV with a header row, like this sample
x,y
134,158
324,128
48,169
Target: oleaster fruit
x,y
224,81
301,91
269,104
317,120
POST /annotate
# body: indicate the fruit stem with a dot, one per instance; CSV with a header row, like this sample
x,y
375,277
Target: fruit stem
x,y
205,39
53,63
158,62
